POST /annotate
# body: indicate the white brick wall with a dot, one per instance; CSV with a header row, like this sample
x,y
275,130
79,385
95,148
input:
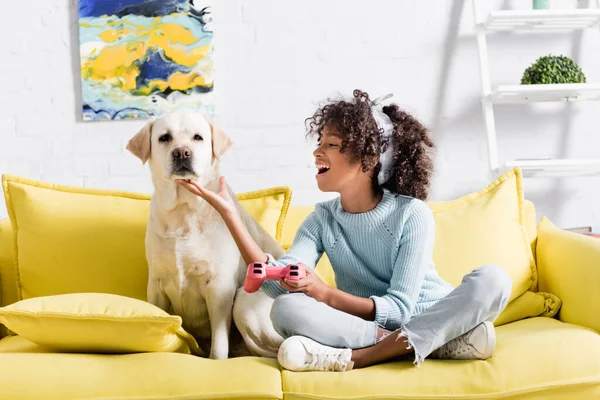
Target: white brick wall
x,y
275,61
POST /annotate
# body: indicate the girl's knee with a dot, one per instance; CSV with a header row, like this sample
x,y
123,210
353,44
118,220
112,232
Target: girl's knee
x,y
286,312
494,282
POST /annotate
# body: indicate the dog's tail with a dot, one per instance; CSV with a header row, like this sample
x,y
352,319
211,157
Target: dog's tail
x,y
251,317
263,345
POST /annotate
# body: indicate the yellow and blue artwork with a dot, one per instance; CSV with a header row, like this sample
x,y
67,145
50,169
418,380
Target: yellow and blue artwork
x,y
142,58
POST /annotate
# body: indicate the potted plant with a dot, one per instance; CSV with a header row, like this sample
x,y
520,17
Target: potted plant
x,y
551,70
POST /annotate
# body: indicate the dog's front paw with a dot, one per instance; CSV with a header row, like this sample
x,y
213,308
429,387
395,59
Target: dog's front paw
x,y
219,354
219,348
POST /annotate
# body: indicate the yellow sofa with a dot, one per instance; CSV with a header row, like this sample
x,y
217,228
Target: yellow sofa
x,y
548,346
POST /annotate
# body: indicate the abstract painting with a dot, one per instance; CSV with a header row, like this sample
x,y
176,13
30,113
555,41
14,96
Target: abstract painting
x,y
142,58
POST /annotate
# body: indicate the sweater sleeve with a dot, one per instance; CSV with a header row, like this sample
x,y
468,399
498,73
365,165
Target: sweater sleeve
x,y
306,249
415,256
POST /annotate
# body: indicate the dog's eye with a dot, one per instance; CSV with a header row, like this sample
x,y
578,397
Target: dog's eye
x,y
197,137
165,138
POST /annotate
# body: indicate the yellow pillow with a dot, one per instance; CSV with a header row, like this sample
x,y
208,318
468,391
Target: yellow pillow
x,y
97,323
269,207
490,227
70,239
486,227
530,304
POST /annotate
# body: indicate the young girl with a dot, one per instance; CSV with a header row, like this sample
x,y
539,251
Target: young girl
x,y
379,235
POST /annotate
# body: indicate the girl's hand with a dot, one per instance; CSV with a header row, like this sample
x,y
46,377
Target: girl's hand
x,y
221,201
311,285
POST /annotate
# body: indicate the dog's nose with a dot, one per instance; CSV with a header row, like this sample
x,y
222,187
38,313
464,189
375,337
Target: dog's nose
x,y
182,152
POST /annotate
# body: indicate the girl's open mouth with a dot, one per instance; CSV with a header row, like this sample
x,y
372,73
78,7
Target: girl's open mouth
x,y
322,169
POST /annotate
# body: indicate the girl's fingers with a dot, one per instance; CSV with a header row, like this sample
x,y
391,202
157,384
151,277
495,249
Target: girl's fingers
x,y
294,284
307,270
189,187
223,187
197,186
299,284
203,192
286,286
197,189
194,189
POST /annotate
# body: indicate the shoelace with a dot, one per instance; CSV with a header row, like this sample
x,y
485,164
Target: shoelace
x,y
327,360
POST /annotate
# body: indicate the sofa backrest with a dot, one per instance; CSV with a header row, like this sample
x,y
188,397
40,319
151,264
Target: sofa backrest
x,y
295,216
500,203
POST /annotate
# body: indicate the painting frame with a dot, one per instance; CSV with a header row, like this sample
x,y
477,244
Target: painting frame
x,y
142,58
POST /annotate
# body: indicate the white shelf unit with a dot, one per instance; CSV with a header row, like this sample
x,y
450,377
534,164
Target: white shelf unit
x,y
556,168
541,20
551,20
566,92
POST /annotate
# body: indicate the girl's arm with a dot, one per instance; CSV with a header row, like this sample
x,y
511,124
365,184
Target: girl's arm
x,y
350,304
306,248
314,287
249,250
223,203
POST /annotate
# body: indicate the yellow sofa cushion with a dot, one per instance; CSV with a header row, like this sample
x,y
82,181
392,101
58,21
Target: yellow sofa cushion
x,y
97,323
530,304
486,227
269,207
530,225
569,265
537,358
30,372
493,226
70,239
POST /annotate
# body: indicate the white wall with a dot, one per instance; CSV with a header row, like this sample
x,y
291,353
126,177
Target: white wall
x,y
275,61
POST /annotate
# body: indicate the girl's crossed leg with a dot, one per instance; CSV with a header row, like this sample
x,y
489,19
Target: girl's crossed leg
x,y
458,326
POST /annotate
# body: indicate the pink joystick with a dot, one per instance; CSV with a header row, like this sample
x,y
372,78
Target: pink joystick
x,y
259,272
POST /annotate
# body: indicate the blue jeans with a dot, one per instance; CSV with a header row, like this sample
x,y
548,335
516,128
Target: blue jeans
x,y
481,296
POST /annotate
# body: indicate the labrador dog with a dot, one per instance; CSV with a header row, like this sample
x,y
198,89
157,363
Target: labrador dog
x,y
195,268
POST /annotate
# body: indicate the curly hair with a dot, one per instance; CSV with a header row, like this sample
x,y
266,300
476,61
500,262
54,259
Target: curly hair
x,y
364,142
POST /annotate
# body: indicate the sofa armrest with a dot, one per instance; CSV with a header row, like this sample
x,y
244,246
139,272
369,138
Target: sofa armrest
x,y
8,290
569,267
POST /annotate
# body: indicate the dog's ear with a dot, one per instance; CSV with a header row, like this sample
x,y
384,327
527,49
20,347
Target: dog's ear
x,y
140,145
220,141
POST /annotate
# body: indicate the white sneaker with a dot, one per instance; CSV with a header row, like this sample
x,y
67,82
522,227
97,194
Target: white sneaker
x,y
477,344
299,353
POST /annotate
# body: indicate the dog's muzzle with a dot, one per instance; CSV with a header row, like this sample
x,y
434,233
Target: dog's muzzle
x,y
182,158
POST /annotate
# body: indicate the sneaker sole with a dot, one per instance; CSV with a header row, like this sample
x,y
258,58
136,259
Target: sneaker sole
x,y
491,343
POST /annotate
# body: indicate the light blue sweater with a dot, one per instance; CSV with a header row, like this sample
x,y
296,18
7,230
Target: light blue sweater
x,y
385,254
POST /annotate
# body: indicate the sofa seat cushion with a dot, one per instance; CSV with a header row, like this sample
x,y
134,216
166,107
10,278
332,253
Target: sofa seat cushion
x,y
33,372
538,358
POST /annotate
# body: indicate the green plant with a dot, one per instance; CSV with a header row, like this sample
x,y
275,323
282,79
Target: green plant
x,y
553,69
